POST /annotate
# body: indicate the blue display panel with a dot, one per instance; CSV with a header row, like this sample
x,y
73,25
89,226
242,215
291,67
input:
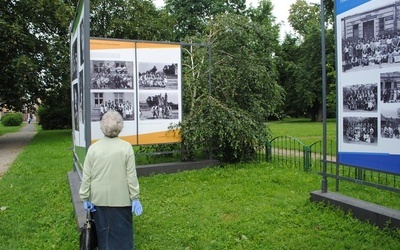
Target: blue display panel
x,y
346,5
368,83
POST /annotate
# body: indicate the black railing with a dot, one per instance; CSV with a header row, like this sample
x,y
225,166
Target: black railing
x,y
290,150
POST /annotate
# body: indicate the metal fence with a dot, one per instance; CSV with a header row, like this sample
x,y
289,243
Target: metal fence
x,y
288,150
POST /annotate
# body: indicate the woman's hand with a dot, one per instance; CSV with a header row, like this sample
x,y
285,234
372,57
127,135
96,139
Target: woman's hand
x,y
137,207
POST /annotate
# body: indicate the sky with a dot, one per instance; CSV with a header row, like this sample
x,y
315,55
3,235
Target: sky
x,y
280,11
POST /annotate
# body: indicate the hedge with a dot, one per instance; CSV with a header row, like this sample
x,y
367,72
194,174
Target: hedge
x,y
12,119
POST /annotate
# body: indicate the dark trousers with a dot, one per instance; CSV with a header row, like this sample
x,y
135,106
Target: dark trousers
x,y
114,228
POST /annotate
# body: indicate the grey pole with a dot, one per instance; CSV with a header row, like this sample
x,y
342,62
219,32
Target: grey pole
x,y
87,106
324,184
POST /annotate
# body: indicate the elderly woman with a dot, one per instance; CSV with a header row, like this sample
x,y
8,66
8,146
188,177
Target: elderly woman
x,y
110,188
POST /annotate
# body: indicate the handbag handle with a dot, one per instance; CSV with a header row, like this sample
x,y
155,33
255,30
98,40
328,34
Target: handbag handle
x,y
88,214
88,218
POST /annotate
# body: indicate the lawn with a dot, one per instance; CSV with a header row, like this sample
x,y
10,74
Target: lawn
x,y
305,131
247,206
10,129
243,206
302,129
36,210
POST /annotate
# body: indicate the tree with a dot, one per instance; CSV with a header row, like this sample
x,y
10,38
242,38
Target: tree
x,y
193,16
34,50
244,86
244,71
304,18
35,45
289,71
305,86
130,19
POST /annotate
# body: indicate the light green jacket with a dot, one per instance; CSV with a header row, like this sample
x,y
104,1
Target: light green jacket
x,y
109,174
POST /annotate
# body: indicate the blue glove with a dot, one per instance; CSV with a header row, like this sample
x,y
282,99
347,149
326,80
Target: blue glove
x,y
137,207
88,205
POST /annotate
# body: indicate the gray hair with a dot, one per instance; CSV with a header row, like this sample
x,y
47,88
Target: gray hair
x,y
111,124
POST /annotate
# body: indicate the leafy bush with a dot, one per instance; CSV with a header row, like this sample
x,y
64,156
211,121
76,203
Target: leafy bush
x,y
12,119
230,132
54,118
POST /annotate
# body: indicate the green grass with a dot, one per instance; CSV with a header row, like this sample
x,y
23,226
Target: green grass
x,y
37,212
10,129
245,206
249,206
304,130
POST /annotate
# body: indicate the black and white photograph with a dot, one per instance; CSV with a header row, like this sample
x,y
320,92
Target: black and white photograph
x,y
158,76
111,74
76,106
360,98
390,87
122,102
371,40
360,130
390,124
80,81
82,41
74,61
158,105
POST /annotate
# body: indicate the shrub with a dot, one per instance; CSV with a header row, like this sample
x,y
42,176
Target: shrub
x,y
232,133
54,118
12,119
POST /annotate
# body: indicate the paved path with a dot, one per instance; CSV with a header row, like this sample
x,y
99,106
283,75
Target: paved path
x,y
12,144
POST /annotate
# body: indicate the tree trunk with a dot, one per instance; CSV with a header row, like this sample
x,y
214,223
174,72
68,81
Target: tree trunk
x,y
316,113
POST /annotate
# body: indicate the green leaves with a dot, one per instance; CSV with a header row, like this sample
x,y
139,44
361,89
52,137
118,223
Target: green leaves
x,y
130,19
300,57
227,114
229,131
12,119
192,17
34,33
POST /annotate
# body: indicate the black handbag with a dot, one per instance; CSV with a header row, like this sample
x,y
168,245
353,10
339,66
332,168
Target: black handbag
x,y
88,239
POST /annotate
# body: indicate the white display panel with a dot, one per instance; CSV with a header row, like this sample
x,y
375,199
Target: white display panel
x,y
142,81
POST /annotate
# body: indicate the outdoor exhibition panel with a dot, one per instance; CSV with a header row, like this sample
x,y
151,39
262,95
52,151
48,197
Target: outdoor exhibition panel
x,y
79,40
140,80
368,77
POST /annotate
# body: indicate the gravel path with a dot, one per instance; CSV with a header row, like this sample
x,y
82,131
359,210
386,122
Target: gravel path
x,y
12,144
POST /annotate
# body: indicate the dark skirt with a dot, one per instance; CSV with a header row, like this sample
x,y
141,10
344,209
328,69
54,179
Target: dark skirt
x,y
114,228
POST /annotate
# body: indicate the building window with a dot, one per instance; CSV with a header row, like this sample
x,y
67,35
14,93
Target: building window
x,y
356,31
98,99
97,66
381,24
119,97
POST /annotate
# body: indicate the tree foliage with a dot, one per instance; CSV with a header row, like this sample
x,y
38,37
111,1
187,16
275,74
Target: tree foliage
x,y
130,19
55,112
300,58
34,49
192,17
12,119
244,89
245,74
289,71
233,133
